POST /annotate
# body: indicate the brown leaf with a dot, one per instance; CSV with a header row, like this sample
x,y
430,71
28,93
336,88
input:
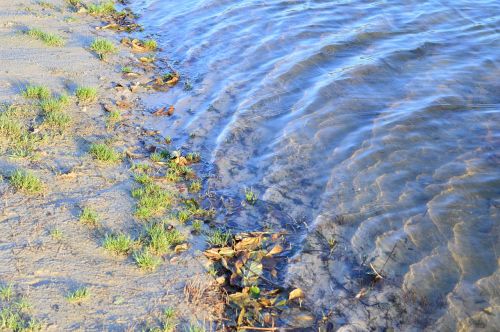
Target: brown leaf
x,y
173,81
160,111
171,110
276,250
181,247
249,243
297,293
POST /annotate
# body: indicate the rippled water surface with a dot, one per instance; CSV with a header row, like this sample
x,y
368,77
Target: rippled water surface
x,y
374,123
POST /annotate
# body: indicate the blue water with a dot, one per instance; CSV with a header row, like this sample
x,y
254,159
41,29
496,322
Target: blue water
x,y
376,123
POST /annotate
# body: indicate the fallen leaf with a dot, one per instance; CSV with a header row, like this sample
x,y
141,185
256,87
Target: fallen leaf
x,y
276,250
248,243
181,247
297,293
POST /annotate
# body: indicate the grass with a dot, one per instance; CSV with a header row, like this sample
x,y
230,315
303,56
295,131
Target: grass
x,y
127,70
152,200
57,120
86,95
161,240
6,292
21,143
104,153
36,92
113,117
53,104
195,186
26,182
78,295
103,8
47,38
89,217
103,47
219,238
250,196
169,320
183,215
56,234
119,244
146,260
12,319
150,44
197,226
156,157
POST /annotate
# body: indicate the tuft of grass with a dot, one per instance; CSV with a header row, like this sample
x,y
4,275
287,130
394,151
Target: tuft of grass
x,y
53,104
89,217
6,292
127,70
195,186
103,47
47,38
86,95
36,92
161,239
150,44
113,117
119,244
250,196
78,295
103,8
56,234
104,153
26,182
169,320
152,200
197,226
146,260
219,238
156,157
183,215
57,120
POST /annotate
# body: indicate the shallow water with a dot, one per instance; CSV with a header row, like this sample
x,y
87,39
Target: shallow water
x,y
376,123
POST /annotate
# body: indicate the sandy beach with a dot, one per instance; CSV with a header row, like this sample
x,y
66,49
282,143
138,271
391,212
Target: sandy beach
x,y
53,237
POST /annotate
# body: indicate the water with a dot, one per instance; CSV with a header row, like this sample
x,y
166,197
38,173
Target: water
x,y
374,123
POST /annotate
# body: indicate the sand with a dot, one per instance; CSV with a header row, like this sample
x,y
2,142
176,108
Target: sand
x,y
41,267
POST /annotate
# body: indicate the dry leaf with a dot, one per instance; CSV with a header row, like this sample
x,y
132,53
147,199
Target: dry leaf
x,y
276,250
297,293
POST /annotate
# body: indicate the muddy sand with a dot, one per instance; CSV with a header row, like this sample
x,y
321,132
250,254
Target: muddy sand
x,y
47,249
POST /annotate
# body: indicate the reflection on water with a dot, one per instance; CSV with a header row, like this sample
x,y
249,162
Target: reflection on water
x,y
374,123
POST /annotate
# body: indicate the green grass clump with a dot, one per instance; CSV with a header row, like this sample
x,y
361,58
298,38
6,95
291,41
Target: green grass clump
x,y
86,95
36,92
56,234
146,260
113,117
78,295
57,120
161,240
219,238
169,320
104,153
119,244
26,182
195,186
103,8
150,44
10,126
103,47
49,39
152,200
127,70
89,217
6,292
197,226
250,196
53,104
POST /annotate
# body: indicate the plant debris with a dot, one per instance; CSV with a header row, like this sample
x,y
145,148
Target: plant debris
x,y
248,271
